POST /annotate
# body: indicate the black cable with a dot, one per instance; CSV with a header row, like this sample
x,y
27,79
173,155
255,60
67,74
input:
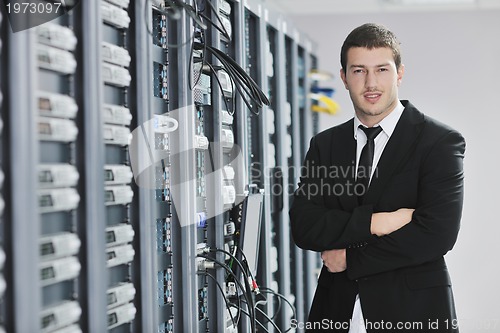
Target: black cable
x,y
219,84
270,291
234,258
269,320
246,291
245,261
214,10
222,30
190,11
278,308
223,295
242,80
248,315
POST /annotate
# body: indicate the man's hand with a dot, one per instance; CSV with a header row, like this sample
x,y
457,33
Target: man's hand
x,y
334,260
385,223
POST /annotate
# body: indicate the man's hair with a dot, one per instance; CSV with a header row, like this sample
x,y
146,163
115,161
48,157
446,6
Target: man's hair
x,y
370,36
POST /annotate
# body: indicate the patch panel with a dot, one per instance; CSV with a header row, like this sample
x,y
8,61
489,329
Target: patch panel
x,y
162,176
200,120
59,270
167,327
116,75
160,30
117,174
163,195
114,15
59,245
56,105
116,135
164,235
119,255
121,315
121,294
118,195
118,234
57,200
115,54
162,141
57,36
165,290
57,175
160,84
55,59
60,315
203,303
55,129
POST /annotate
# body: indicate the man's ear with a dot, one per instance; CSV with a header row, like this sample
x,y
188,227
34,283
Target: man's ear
x,y
342,76
401,72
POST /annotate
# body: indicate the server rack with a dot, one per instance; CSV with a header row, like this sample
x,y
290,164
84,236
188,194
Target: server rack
x,y
158,164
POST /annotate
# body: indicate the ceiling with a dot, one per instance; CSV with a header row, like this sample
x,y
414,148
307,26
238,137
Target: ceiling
x,y
311,7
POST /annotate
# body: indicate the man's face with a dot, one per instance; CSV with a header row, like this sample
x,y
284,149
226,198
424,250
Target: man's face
x,y
372,80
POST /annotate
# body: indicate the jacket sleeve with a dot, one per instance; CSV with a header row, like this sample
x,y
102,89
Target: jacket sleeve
x,y
434,228
315,226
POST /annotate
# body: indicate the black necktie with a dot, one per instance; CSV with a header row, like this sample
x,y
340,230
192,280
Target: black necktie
x,y
366,161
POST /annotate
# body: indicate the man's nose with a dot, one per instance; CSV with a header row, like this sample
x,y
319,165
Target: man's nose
x,y
370,80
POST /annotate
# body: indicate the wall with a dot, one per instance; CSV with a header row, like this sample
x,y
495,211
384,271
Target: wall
x,y
452,74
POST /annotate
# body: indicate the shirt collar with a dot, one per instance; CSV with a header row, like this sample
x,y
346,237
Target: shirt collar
x,y
388,124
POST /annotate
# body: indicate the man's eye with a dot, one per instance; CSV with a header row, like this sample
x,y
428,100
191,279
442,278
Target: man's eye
x,y
383,69
358,71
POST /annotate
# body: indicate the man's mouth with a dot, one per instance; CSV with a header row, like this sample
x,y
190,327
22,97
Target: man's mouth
x,y
372,96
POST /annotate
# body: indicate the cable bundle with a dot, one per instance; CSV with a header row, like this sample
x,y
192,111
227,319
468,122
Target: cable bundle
x,y
246,86
248,289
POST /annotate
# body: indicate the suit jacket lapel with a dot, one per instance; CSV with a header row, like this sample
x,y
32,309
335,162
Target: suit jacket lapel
x,y
398,149
343,159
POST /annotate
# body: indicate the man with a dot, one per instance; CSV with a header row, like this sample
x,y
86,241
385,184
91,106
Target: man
x,y
381,198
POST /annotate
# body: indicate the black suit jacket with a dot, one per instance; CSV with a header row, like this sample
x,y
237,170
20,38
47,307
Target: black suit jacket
x,y
401,278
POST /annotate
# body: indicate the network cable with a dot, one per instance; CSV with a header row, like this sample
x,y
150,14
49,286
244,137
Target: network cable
x,y
246,291
223,295
248,315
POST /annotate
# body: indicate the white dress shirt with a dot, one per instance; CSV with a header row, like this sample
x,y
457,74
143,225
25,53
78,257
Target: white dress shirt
x,y
388,125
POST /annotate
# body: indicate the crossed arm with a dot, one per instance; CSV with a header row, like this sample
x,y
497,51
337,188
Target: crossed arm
x,y
382,224
410,237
